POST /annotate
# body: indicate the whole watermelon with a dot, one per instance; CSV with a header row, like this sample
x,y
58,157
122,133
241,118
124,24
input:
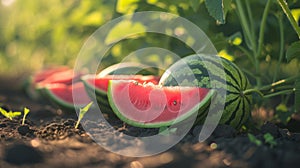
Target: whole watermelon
x,y
198,70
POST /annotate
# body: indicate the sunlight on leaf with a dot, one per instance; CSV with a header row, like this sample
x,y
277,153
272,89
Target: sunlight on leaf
x,y
296,14
127,6
235,39
124,29
93,19
224,54
282,107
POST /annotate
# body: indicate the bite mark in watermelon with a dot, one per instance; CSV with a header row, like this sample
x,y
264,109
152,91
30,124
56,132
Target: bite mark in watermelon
x,y
153,106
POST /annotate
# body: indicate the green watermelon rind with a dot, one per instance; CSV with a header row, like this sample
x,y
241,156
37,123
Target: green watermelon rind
x,y
158,124
96,94
46,92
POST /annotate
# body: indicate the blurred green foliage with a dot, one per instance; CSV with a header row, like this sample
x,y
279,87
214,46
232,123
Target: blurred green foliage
x,y
36,33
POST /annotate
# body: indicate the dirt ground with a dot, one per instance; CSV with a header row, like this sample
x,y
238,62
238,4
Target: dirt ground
x,y
48,139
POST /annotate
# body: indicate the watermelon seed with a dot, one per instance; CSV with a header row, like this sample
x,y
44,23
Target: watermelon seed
x,y
136,83
174,102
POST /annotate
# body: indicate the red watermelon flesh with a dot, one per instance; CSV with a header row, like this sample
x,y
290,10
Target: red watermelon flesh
x,y
148,105
66,77
42,75
62,94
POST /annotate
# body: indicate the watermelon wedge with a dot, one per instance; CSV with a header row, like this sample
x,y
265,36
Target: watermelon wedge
x,y
153,106
30,84
65,77
96,86
62,95
126,68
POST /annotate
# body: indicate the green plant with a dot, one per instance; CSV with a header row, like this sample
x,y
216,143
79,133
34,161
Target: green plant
x,y
254,140
82,112
9,114
256,48
25,113
269,139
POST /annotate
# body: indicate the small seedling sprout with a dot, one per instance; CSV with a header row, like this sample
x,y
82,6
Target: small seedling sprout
x,y
10,115
254,140
269,139
82,112
26,111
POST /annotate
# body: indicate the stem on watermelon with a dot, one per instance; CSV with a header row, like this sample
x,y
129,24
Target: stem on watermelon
x,y
250,91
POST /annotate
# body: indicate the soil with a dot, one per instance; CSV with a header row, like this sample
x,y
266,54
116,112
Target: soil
x,y
48,139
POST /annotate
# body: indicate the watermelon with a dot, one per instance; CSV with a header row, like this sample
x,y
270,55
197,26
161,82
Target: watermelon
x,y
31,83
65,77
126,68
62,95
153,106
96,86
237,105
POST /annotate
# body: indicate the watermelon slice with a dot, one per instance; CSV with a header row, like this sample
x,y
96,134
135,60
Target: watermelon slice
x,y
66,77
61,74
96,86
62,95
153,106
127,68
30,84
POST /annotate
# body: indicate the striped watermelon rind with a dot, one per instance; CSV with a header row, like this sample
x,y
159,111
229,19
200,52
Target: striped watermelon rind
x,y
237,105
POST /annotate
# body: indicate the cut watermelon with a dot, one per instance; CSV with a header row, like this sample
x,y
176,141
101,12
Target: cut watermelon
x,y
126,68
65,77
62,95
153,106
30,84
96,86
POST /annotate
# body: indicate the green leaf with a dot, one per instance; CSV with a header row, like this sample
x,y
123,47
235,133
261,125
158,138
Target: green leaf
x,y
127,6
124,29
297,95
269,139
87,107
283,113
218,9
293,51
195,4
253,139
26,111
82,113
